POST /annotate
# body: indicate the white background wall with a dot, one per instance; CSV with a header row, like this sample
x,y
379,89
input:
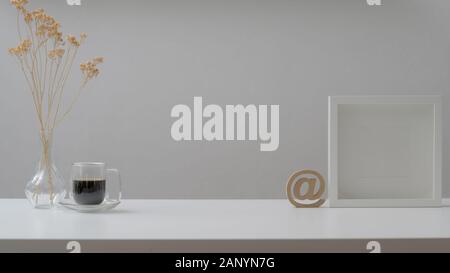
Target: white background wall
x,y
162,53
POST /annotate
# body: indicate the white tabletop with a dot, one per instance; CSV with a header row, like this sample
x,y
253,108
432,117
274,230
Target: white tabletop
x,y
220,219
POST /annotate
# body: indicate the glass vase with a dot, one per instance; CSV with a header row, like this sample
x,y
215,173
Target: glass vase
x,y
47,187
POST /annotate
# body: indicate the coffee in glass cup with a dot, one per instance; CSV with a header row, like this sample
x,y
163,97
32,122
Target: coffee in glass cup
x,y
89,183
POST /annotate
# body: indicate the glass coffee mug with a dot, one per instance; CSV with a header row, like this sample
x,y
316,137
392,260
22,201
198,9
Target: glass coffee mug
x,y
92,183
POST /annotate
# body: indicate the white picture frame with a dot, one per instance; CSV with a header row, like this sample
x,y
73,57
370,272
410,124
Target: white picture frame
x,y
385,151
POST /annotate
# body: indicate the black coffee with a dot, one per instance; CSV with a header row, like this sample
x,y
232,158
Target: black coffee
x,y
89,192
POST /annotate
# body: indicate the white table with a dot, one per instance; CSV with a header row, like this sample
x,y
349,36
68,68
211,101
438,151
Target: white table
x,y
218,220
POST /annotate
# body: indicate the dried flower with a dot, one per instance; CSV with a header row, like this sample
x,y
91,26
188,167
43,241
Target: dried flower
x,y
98,60
20,5
73,41
21,49
28,18
57,53
90,69
83,37
38,14
42,45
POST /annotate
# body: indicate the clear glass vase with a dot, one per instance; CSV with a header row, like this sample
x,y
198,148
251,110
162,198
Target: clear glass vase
x,y
47,187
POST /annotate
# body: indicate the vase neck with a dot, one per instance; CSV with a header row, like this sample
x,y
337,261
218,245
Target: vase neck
x,y
46,153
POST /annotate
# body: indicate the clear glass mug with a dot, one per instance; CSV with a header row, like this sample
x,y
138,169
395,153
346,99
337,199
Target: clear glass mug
x,y
92,183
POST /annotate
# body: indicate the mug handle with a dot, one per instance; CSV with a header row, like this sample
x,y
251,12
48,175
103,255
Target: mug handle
x,y
115,185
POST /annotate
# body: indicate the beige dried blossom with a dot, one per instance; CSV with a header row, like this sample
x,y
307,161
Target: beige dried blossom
x,y
38,14
83,37
37,52
90,69
44,38
73,41
98,60
46,26
28,17
21,49
56,53
20,5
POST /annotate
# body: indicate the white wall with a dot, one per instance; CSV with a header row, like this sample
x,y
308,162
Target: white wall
x,y
162,53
